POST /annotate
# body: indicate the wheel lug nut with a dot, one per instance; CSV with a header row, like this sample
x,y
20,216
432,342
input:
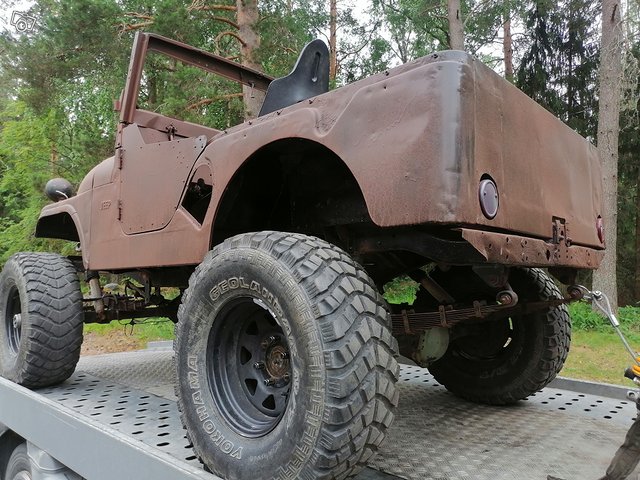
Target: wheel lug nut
x,y
269,382
258,365
286,377
284,355
266,343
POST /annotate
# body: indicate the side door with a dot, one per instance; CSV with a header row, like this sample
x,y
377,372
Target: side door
x,y
152,178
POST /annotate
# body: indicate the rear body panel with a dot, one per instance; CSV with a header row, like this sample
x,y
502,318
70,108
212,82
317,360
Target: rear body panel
x,y
417,139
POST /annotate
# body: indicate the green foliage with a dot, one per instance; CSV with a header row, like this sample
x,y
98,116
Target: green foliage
x,y
629,318
415,27
584,318
25,155
286,26
412,28
559,67
187,93
401,290
628,187
58,83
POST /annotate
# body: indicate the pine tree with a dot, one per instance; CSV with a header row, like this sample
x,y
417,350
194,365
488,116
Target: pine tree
x,y
604,278
558,69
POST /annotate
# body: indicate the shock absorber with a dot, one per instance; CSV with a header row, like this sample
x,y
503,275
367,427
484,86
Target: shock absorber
x,y
93,278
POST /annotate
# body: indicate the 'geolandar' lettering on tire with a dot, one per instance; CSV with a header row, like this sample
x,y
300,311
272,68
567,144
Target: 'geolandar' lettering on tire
x,y
226,285
289,340
234,283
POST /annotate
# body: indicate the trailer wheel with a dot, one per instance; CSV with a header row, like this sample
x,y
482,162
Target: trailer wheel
x,y
41,319
507,360
19,465
285,362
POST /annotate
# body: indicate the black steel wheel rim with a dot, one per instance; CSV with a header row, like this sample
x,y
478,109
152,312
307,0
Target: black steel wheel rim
x,y
13,319
492,345
248,366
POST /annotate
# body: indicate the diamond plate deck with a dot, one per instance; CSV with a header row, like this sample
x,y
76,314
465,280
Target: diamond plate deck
x,y
436,436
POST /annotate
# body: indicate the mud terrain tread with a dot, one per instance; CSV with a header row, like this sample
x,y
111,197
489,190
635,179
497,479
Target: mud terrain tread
x,y
360,352
53,328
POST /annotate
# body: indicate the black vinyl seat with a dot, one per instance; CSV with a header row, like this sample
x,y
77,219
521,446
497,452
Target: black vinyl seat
x,y
309,77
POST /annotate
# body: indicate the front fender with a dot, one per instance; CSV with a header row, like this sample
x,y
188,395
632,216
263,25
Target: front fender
x,y
64,220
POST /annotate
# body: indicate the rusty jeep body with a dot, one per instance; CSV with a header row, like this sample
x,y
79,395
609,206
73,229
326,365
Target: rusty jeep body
x,y
391,163
438,169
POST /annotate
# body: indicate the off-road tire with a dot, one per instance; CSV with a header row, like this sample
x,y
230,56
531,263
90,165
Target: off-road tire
x,y
42,350
537,349
325,312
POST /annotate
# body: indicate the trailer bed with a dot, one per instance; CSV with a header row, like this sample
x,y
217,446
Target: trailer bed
x,y
117,417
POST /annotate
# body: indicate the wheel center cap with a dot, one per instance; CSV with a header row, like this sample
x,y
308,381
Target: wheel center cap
x,y
17,321
277,361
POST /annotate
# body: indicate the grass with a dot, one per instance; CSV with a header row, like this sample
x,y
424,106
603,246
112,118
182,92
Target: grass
x,y
151,330
597,352
598,356
148,330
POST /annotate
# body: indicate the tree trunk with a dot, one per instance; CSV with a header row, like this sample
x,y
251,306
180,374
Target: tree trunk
x,y
456,33
604,279
636,280
333,28
152,100
247,19
507,46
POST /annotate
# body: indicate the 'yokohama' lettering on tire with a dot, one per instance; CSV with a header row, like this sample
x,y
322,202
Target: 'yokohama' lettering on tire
x,y
208,426
284,357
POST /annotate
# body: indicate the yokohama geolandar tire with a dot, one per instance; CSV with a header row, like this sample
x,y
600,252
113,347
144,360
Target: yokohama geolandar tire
x,y
41,319
509,359
285,362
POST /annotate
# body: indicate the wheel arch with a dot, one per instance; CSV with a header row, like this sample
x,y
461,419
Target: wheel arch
x,y
60,224
291,184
